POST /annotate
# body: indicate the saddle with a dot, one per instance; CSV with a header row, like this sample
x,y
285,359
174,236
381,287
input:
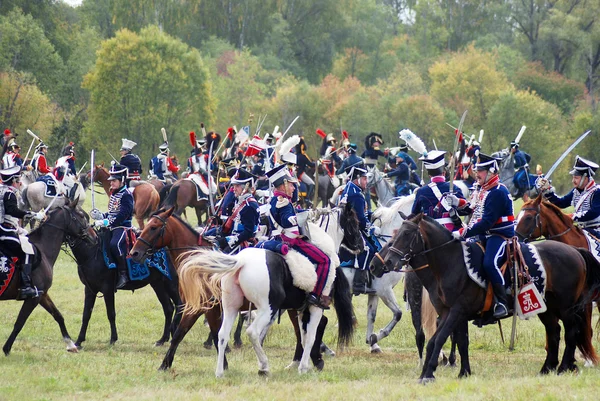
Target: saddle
x,y
51,185
9,266
530,273
202,186
137,271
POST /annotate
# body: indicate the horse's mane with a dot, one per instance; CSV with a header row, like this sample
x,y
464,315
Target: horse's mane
x,y
178,218
564,218
388,214
38,230
438,226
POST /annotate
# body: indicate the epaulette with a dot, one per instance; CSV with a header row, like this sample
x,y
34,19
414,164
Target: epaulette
x,y
282,202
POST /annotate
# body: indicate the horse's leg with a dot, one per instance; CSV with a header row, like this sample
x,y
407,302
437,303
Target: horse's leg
x,y
314,318
372,302
452,356
552,341
186,323
256,332
88,307
318,347
232,301
461,338
237,335
414,293
111,314
571,331
389,299
168,310
47,304
198,211
28,306
293,314
445,328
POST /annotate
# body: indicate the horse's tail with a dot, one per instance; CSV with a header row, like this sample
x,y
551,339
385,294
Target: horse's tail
x,y
592,278
429,315
342,301
26,204
163,193
172,198
200,277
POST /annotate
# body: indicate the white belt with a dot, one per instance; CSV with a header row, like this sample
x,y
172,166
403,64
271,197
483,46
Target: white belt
x,y
445,220
291,232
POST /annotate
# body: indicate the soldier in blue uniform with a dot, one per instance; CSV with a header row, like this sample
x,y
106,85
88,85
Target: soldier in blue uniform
x,y
353,195
352,160
521,178
239,230
283,219
117,220
372,151
303,162
583,197
131,161
10,214
402,174
430,199
492,221
403,153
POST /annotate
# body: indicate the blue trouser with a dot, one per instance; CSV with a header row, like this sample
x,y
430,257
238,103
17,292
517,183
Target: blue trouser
x,y
403,188
117,247
494,258
363,260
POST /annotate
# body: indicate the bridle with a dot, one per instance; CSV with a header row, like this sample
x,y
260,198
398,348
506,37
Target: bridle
x,y
70,239
538,223
151,245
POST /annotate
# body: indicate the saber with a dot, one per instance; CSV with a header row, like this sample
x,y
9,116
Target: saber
x,y
566,152
114,158
51,203
34,135
92,179
164,134
434,144
453,165
81,169
32,142
29,150
520,135
210,198
288,128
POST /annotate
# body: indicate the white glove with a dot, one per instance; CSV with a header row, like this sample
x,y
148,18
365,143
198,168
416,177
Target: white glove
x,y
375,230
384,175
543,184
96,214
452,200
457,236
100,223
231,240
39,215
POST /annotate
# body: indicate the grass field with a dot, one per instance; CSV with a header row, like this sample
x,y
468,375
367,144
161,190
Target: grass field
x,y
39,368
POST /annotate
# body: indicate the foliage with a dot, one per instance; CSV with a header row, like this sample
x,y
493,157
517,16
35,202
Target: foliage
x,y
143,82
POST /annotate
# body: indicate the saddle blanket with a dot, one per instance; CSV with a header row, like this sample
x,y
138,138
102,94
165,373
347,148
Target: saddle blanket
x,y
7,271
140,271
473,256
51,186
201,185
593,245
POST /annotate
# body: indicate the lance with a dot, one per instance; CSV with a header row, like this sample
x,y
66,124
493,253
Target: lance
x,y
210,179
32,142
92,179
453,165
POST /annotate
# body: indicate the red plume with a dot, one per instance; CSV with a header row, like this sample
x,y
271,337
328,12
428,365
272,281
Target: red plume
x,y
321,133
193,139
71,143
345,135
230,133
7,132
460,135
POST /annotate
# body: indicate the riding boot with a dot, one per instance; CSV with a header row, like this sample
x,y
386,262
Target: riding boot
x,y
322,301
123,278
361,283
500,306
73,191
26,290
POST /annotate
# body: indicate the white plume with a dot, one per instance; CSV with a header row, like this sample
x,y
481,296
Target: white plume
x,y
480,136
284,147
413,141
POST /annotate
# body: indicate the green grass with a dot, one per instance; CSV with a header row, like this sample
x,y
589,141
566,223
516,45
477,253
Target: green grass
x,y
39,368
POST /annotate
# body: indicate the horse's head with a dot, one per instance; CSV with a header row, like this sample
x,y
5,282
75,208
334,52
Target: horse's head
x,y
73,221
398,252
352,240
529,224
154,236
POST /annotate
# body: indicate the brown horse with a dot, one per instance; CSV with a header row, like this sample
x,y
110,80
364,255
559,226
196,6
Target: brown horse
x,y
68,221
165,229
145,196
430,252
183,194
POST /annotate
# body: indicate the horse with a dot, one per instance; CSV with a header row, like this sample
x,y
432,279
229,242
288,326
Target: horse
x,y
145,197
65,221
98,278
326,186
265,280
507,174
34,196
385,190
165,229
183,194
572,275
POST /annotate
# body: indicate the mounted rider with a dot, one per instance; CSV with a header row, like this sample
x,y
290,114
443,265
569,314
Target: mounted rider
x,y
39,164
492,221
199,163
583,196
372,151
430,199
12,236
403,153
329,154
65,173
239,230
162,166
521,178
352,160
130,160
284,221
302,163
118,221
353,196
402,174
12,157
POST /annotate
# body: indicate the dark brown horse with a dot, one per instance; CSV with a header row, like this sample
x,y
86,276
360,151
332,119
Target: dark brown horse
x,y
165,229
183,194
145,196
430,252
66,221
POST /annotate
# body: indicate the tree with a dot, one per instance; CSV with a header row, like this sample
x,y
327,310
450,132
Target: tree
x,y
141,83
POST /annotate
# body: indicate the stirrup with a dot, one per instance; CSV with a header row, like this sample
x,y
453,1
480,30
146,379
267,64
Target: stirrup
x,y
28,293
500,310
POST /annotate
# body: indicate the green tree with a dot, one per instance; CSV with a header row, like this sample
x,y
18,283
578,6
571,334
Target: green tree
x,y
141,83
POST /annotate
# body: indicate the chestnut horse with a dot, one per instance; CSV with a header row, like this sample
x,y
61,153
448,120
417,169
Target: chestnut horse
x,y
145,195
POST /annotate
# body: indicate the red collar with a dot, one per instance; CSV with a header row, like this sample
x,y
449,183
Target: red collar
x,y
491,183
438,179
277,193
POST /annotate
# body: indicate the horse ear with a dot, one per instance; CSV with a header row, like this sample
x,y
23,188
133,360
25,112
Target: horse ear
x,y
170,211
404,217
73,204
102,164
538,200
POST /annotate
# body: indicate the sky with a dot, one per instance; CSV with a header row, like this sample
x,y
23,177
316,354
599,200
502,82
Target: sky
x,y
72,2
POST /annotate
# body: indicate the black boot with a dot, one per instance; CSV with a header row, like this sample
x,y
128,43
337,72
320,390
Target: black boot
x,y
27,290
322,302
123,278
73,191
361,283
500,306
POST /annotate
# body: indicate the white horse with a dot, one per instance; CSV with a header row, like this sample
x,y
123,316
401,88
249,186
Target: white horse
x,y
34,197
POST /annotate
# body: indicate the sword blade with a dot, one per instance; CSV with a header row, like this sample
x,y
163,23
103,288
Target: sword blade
x,y
455,149
92,179
566,152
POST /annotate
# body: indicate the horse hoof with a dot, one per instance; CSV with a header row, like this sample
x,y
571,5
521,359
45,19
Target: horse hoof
x,y
329,352
73,349
373,340
238,345
320,365
159,343
227,350
426,380
376,350
219,375
263,372
207,345
163,368
292,365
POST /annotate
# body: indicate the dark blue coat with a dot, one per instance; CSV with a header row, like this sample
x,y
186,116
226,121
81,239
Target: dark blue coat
x,y
133,164
521,158
282,214
120,208
227,203
259,168
588,212
426,201
372,154
303,163
408,160
353,195
351,160
497,204
249,218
